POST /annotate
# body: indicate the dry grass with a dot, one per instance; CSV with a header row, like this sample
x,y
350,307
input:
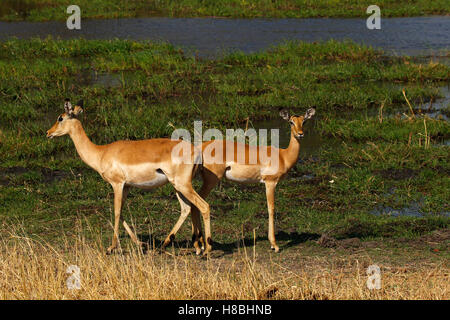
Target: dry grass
x,y
33,269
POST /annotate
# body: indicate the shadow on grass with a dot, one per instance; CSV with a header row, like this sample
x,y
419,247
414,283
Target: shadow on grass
x,y
293,239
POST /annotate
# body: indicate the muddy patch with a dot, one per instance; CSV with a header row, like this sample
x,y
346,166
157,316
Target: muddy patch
x,y
327,241
396,174
437,238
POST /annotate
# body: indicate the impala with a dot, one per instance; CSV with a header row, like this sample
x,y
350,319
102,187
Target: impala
x,y
143,164
239,167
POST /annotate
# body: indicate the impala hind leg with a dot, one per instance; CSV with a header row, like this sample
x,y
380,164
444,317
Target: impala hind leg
x,y
189,193
210,180
197,237
270,195
185,209
134,237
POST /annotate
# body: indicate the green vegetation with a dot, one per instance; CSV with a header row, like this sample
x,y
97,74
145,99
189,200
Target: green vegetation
x,y
42,10
363,161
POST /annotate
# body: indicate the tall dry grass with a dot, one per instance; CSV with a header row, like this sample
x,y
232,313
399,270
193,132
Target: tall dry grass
x,y
30,268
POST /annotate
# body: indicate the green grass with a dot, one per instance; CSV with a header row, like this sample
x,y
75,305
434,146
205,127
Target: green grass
x,y
34,10
132,90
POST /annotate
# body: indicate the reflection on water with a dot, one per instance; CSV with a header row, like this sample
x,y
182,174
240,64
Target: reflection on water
x,y
210,37
89,77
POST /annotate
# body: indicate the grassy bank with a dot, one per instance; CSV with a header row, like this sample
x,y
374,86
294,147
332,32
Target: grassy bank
x,y
375,178
34,10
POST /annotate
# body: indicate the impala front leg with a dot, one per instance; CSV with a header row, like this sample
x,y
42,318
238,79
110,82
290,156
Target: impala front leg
x,y
133,236
118,195
270,194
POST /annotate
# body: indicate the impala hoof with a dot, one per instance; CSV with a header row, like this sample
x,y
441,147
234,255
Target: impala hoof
x,y
168,240
275,248
145,247
110,250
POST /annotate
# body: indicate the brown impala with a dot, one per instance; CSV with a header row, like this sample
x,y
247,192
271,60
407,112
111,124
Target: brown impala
x,y
265,169
143,164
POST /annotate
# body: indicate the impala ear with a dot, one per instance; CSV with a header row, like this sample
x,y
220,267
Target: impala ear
x,y
78,108
284,114
309,113
68,107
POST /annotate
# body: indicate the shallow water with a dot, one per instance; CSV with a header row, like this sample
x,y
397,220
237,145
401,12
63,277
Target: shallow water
x,y
413,210
435,109
440,103
210,37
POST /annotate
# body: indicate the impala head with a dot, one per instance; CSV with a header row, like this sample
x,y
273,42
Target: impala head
x,y
296,122
66,120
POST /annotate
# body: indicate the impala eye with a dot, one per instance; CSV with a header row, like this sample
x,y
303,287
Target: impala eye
x,y
60,118
291,122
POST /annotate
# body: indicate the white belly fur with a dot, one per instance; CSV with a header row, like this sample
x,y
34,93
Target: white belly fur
x,y
229,176
159,180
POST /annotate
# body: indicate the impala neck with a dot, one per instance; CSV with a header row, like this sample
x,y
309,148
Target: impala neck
x,y
292,151
89,152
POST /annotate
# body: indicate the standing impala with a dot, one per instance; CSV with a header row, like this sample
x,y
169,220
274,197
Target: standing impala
x,y
144,164
244,170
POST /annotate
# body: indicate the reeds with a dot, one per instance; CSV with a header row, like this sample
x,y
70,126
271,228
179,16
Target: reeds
x,y
409,104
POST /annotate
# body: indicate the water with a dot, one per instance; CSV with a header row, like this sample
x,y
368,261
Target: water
x,y
210,37
436,108
433,109
441,103
413,210
104,79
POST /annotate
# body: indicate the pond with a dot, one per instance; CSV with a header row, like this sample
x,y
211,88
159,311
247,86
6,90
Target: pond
x,y
211,37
